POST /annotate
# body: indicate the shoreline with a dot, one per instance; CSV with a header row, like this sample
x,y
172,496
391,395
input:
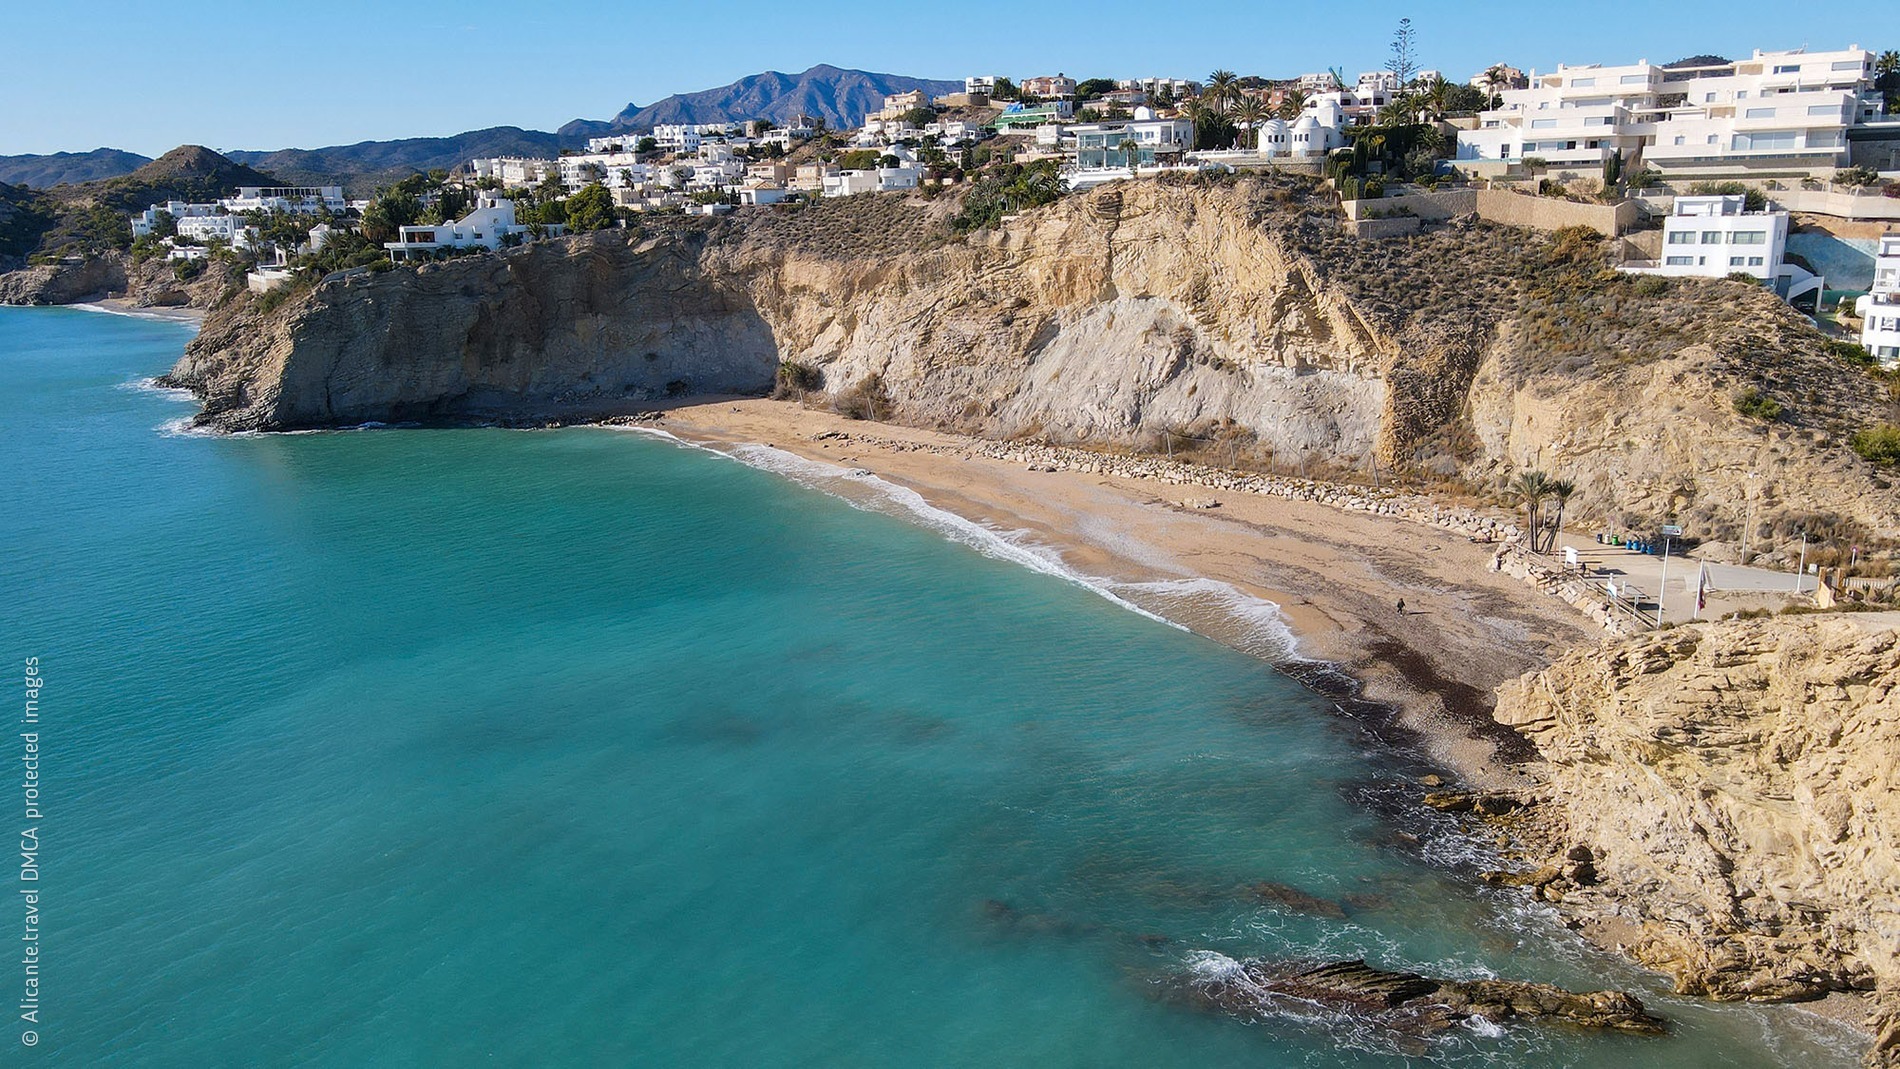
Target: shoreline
x,y
123,306
1332,577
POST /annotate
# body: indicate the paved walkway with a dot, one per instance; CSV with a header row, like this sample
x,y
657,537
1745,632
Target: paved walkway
x,y
1643,574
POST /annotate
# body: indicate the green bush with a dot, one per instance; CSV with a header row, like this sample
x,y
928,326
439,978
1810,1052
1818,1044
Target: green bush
x,y
1850,352
866,400
1756,405
795,380
1881,444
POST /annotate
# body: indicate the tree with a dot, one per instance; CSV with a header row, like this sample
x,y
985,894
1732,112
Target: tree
x,y
1004,89
1292,103
1404,61
1561,491
1531,487
1131,151
591,209
921,116
1222,90
164,225
1090,88
388,214
1248,114
646,144
1495,81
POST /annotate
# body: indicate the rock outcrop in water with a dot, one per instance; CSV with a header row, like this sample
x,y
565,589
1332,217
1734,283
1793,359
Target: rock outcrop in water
x,y
1406,1004
1235,312
1735,788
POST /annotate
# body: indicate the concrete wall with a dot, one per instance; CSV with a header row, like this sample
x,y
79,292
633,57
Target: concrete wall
x,y
1844,205
1397,226
1503,206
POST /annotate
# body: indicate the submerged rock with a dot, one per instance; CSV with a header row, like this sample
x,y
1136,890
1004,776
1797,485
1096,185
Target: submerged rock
x,y
1408,1004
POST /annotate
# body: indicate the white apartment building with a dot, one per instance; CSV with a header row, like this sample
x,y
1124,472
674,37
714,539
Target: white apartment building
x,y
297,200
488,226
179,211
980,84
1784,109
615,170
1101,145
230,229
514,170
1178,88
1879,310
686,137
1717,236
907,174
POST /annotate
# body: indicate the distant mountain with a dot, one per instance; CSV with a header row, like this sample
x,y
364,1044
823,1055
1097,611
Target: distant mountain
x,y
188,172
368,164
840,97
43,171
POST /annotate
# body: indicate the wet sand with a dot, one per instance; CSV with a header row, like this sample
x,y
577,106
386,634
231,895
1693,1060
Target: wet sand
x,y
1336,575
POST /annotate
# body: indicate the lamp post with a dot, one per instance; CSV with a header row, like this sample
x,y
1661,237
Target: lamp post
x,y
1662,587
1802,568
1748,513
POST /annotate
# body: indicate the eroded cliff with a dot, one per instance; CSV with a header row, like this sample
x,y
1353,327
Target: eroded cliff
x,y
1236,311
1734,791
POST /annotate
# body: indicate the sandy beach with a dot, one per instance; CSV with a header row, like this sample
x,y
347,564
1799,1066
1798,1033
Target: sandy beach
x,y
1336,575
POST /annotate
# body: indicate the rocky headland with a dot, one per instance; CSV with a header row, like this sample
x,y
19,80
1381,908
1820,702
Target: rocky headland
x,y
1723,803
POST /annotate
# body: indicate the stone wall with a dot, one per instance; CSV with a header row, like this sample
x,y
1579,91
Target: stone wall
x,y
1506,207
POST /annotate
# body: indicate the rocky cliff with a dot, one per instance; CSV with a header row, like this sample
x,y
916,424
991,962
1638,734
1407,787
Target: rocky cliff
x,y
1236,311
1735,791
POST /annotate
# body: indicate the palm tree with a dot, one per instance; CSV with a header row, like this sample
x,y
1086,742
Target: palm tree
x,y
1222,88
1531,487
1494,79
1561,491
1250,113
1435,98
1886,63
1292,102
1131,151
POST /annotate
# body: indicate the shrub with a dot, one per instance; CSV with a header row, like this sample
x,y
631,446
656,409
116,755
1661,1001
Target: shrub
x,y
1860,177
1850,352
795,380
866,400
1651,285
1756,405
1881,444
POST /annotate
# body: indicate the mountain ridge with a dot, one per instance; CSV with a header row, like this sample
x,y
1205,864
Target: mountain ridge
x,y
840,96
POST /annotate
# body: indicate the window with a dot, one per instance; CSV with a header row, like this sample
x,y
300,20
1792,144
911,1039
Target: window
x,y
1682,237
1582,83
1824,109
1711,237
1754,261
1737,261
1759,113
1749,237
1711,140
1788,68
1543,124
1770,139
1741,94
1681,140
1846,65
1634,79
1680,261
1708,98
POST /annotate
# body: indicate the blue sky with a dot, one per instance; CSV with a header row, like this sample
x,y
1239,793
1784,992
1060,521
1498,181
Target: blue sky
x,y
148,77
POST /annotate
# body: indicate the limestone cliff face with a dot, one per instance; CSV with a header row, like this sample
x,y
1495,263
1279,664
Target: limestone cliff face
x,y
1738,784
1236,311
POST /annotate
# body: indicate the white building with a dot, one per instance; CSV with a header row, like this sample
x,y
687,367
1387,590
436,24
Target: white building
x,y
905,175
1781,109
297,200
686,137
980,84
615,170
1104,145
514,170
489,226
1879,310
1319,130
1717,236
179,210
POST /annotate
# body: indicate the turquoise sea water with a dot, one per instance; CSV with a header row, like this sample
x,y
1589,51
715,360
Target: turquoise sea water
x,y
456,747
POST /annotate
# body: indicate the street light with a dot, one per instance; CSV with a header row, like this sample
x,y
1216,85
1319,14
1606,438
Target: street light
x,y
1802,568
1662,586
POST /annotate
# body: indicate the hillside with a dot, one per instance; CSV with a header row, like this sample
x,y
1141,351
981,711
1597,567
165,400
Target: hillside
x,y
60,168
1234,310
363,167
91,217
839,97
